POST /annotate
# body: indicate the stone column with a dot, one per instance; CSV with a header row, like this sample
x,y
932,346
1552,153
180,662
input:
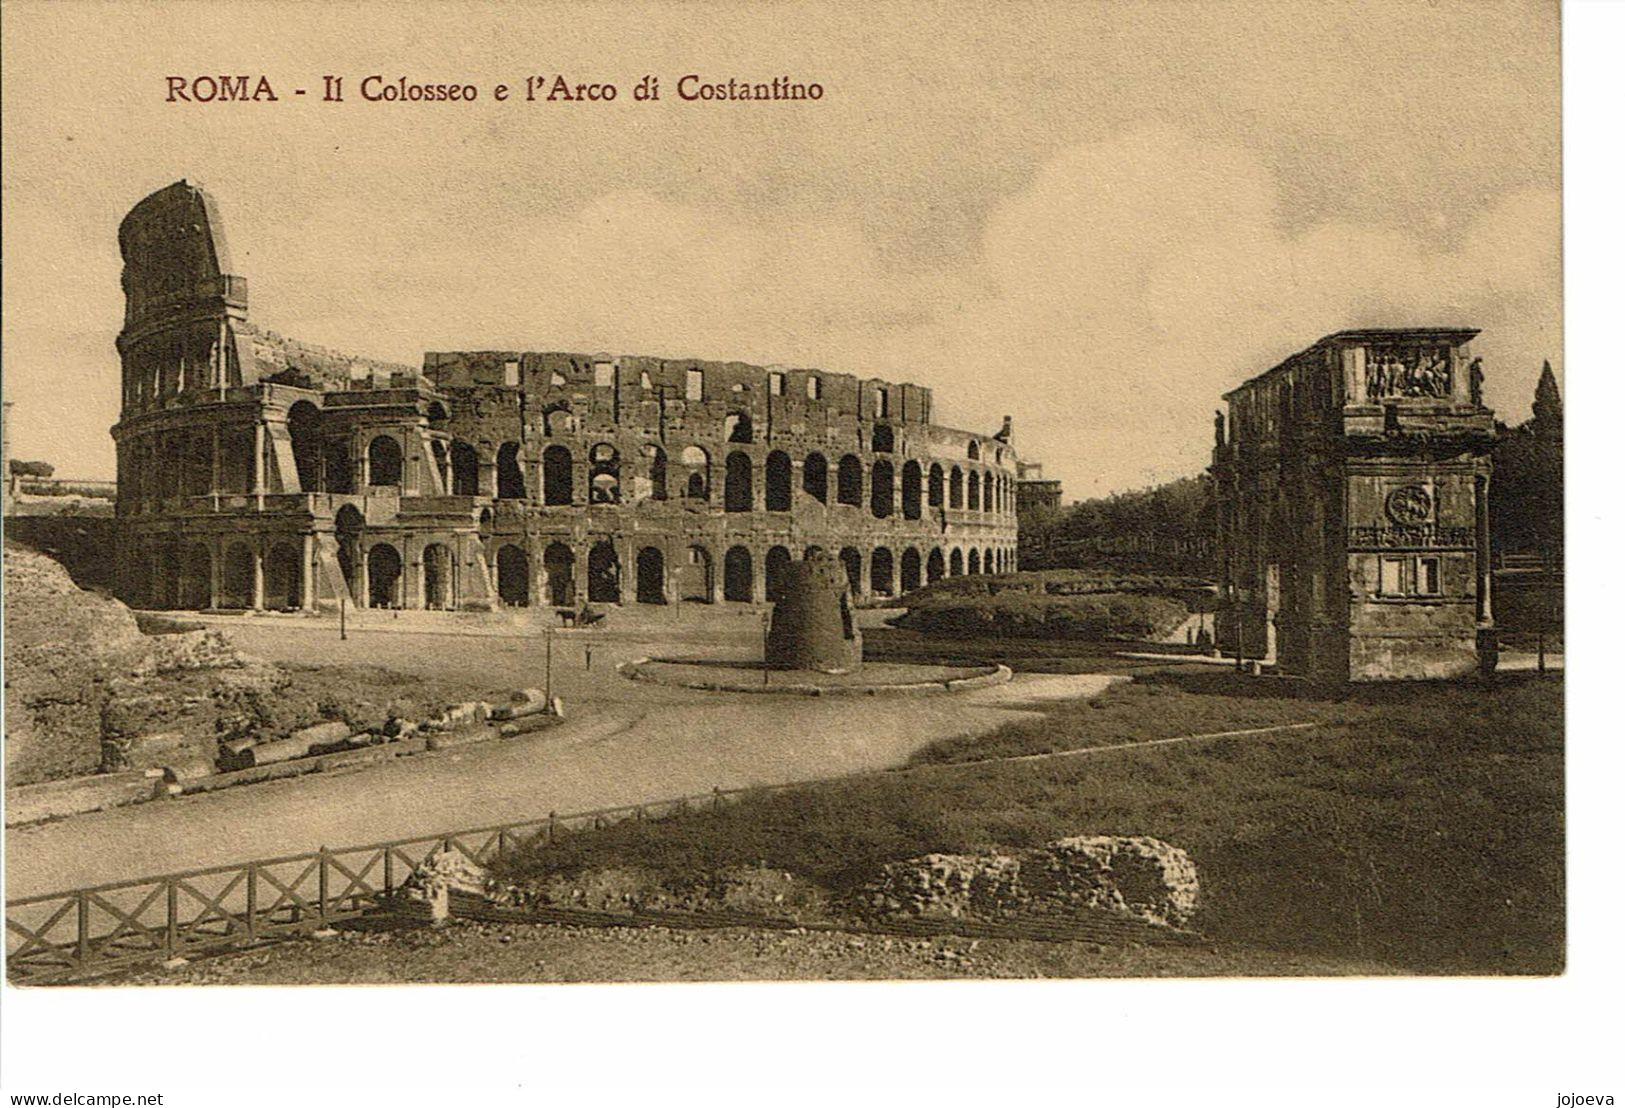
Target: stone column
x,y
259,575
626,568
1481,548
214,472
259,464
411,584
578,573
758,574
538,572
1354,375
307,574
216,571
363,597
1461,391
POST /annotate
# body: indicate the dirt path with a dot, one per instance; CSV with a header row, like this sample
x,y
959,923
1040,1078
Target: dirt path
x,y
624,743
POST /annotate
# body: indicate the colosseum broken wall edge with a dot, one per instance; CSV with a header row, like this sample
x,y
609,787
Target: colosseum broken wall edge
x,y
259,472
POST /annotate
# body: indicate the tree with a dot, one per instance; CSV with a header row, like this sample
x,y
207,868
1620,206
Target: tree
x,y
1548,407
20,468
1526,490
1167,529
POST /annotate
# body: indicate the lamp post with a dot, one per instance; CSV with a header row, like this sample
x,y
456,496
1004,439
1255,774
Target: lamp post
x,y
547,682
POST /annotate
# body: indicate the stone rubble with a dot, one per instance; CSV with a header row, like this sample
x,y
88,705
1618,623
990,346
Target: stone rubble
x,y
1136,874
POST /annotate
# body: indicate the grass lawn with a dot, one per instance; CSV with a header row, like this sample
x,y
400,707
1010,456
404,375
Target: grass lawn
x,y
1420,827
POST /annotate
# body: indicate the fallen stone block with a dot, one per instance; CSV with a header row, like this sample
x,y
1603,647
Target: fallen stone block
x,y
54,799
470,713
439,877
250,776
333,731
527,724
354,759
189,769
443,740
522,702
323,738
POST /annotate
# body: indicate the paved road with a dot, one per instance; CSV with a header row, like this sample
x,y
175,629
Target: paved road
x,y
623,743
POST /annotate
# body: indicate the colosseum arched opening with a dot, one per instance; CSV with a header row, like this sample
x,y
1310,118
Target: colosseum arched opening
x,y
513,576
852,562
197,577
881,490
696,580
237,577
438,593
290,475
849,481
737,582
465,469
880,572
384,462
736,483
651,576
815,477
510,476
778,482
603,574
305,437
911,569
284,578
559,563
777,565
383,576
558,478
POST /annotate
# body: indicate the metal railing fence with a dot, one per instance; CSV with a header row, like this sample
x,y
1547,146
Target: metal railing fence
x,y
61,936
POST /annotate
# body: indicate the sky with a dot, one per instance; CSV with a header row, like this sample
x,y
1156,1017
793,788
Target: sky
x,y
1095,218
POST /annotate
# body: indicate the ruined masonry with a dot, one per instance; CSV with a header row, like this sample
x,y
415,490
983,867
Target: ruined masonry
x,y
1353,510
259,472
812,626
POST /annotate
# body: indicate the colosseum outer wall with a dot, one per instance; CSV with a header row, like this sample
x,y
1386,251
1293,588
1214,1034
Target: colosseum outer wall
x,y
259,472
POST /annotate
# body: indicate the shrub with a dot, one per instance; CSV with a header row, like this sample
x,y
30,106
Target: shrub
x,y
1061,582
1090,616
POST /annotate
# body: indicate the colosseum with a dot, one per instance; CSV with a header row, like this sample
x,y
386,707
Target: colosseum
x,y
257,472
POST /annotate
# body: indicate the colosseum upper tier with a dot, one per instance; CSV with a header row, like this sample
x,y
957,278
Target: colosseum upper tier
x,y
259,472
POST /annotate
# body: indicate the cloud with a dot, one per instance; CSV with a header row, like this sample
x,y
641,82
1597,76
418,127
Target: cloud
x,y
1108,304
1112,300
628,271
1135,280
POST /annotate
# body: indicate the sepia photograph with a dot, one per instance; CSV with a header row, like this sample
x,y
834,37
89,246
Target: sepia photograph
x,y
657,493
